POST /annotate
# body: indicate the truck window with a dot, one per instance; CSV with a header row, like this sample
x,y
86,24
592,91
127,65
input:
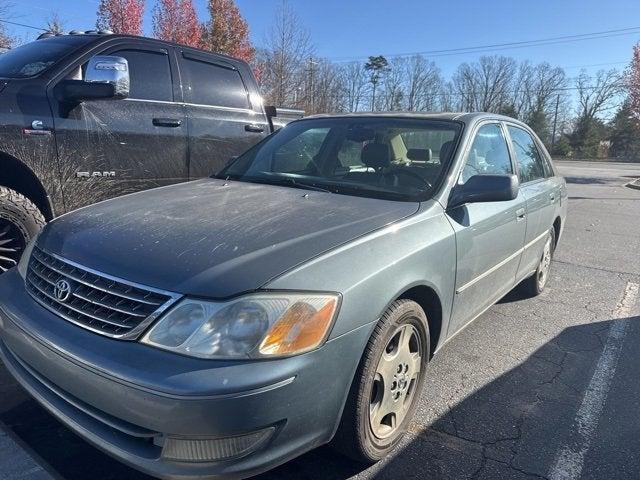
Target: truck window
x,y
34,58
150,75
214,85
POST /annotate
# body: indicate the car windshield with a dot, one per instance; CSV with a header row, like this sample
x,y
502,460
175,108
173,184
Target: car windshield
x,y
33,58
381,157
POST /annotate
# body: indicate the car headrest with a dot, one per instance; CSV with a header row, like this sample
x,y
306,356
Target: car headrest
x,y
420,154
445,150
376,155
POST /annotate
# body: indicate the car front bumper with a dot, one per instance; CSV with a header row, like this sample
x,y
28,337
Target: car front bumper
x,y
131,400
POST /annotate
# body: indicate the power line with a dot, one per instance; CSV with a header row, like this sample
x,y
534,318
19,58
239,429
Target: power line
x,y
509,45
22,25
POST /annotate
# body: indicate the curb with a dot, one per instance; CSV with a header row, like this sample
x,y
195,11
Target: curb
x,y
16,463
635,184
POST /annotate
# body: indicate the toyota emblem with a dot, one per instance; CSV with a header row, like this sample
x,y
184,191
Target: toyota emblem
x,y
62,290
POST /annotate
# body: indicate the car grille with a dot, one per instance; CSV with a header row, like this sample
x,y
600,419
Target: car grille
x,y
100,303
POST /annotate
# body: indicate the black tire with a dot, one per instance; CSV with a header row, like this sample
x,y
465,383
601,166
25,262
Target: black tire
x,y
20,221
534,285
355,436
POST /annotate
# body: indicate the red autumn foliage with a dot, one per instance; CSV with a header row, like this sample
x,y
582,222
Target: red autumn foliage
x,y
633,82
228,32
121,16
177,21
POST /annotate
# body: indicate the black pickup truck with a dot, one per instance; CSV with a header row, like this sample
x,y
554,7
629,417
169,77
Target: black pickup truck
x,y
91,115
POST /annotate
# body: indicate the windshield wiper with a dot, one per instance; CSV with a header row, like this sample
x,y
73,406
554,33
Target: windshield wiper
x,y
279,181
295,183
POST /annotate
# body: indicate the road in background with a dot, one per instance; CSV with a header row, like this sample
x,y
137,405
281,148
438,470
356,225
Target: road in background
x,y
535,388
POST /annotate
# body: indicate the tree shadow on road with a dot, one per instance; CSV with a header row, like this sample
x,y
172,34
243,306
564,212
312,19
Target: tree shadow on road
x,y
511,427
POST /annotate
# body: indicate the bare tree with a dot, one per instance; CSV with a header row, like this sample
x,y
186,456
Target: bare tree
x,y
6,40
484,85
326,87
597,93
392,96
424,84
353,80
282,62
55,24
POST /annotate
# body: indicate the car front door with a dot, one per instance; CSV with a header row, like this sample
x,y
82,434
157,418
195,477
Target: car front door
x,y
540,193
112,147
222,122
489,235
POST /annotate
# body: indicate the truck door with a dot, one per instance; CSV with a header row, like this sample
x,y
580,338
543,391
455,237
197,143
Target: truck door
x,y
222,121
112,147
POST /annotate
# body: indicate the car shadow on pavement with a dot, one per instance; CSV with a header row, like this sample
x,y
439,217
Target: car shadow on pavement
x,y
509,428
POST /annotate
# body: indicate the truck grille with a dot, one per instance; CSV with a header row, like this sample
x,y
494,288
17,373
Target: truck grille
x,y
100,303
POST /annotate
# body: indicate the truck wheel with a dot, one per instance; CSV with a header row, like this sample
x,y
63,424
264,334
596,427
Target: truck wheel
x,y
20,221
534,285
387,385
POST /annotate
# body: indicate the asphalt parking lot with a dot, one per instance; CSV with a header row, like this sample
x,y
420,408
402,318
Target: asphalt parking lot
x,y
535,388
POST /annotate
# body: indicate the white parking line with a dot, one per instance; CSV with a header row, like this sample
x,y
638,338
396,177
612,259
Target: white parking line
x,y
570,458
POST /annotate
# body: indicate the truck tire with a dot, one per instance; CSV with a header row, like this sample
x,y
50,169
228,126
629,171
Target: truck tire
x,y
20,221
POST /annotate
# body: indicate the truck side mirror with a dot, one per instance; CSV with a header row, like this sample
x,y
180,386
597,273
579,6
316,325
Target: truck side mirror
x,y
106,77
109,69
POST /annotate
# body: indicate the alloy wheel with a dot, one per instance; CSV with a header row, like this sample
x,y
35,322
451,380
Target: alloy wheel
x,y
12,244
545,264
395,381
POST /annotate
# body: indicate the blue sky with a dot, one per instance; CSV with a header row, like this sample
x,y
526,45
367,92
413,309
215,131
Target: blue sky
x,y
343,29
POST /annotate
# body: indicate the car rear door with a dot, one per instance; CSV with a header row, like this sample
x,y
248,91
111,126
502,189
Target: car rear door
x,y
489,235
540,193
222,121
112,147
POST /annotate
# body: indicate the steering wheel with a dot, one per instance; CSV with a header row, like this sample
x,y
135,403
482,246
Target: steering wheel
x,y
409,173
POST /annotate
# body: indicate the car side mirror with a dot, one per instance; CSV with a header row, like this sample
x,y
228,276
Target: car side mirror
x,y
106,77
485,188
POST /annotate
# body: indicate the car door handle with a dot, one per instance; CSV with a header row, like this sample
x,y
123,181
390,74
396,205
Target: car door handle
x,y
552,196
253,127
520,214
167,122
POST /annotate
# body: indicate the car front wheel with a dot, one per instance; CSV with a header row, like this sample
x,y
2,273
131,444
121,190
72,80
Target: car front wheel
x,y
387,385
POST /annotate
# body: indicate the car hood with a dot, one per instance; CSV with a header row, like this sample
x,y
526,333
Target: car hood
x,y
213,238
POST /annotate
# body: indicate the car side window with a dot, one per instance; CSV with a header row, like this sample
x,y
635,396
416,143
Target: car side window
x,y
149,74
530,163
215,85
489,154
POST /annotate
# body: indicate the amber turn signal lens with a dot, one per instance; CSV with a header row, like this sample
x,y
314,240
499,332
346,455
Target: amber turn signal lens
x,y
300,329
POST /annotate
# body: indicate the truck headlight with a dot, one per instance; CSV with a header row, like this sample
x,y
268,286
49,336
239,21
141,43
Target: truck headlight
x,y
253,326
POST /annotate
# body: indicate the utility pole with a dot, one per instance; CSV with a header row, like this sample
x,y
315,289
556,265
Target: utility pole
x,y
555,123
311,90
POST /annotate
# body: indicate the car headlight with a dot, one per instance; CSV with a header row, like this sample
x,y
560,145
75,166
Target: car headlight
x,y
253,326
23,264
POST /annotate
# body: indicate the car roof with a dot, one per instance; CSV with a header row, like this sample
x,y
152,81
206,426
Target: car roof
x,y
466,117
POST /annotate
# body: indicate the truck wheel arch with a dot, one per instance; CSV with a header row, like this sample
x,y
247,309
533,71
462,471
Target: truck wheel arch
x,y
17,176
